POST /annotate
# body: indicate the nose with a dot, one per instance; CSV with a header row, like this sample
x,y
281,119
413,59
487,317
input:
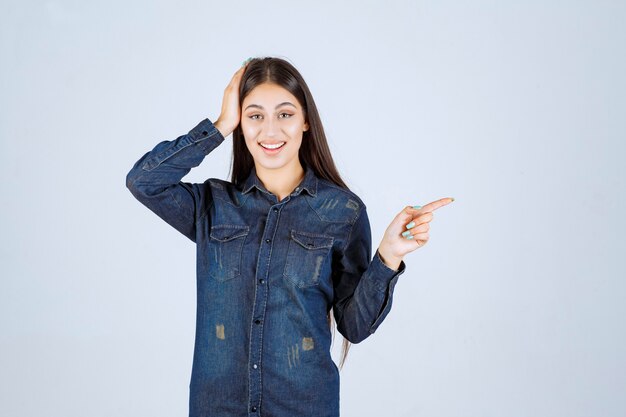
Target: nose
x,y
272,128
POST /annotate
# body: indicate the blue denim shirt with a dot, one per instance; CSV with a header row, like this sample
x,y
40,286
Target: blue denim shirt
x,y
268,272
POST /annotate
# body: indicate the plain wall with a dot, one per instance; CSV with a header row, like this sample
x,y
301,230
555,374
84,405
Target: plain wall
x,y
515,307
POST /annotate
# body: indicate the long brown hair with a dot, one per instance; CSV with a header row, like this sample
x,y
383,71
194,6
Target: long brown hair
x,y
314,151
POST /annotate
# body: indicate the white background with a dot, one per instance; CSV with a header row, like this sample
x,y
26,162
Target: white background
x,y
515,307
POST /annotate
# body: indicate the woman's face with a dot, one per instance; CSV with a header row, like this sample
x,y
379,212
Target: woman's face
x,y
272,116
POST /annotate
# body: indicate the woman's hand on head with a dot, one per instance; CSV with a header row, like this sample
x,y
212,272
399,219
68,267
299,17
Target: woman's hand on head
x,y
408,231
230,115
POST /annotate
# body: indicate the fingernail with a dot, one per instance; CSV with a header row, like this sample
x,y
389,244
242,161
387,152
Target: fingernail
x,y
409,237
410,225
405,234
417,207
452,198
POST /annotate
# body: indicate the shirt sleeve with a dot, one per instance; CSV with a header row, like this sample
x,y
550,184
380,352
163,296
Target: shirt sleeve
x,y
155,179
363,287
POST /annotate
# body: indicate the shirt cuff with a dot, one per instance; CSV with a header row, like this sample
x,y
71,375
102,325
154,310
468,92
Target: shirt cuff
x,y
205,129
382,274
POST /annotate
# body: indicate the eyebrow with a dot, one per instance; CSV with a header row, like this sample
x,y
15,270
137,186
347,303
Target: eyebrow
x,y
261,107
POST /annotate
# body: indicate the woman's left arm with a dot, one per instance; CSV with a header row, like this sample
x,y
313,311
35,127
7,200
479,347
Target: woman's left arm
x,y
363,287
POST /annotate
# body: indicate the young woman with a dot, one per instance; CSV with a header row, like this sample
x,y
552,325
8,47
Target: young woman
x,y
282,249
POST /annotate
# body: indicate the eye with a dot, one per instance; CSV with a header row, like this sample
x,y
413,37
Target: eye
x,y
286,114
254,116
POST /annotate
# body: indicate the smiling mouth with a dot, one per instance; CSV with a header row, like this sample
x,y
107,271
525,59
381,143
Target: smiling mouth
x,y
271,147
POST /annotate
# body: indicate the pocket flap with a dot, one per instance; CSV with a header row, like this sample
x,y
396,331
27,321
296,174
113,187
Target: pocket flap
x,y
226,232
312,240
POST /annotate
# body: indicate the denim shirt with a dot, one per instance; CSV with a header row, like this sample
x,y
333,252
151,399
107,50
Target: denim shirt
x,y
268,272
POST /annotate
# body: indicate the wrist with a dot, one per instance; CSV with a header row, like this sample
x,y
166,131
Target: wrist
x,y
391,261
219,125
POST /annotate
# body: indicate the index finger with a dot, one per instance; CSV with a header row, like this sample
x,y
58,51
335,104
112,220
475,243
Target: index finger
x,y
435,205
237,75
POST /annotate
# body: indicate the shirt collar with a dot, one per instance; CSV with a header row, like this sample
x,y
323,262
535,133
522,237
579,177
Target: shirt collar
x,y
308,183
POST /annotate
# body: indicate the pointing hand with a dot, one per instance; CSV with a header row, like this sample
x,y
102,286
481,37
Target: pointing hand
x,y
408,231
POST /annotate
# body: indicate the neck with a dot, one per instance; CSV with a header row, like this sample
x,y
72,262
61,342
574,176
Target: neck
x,y
280,182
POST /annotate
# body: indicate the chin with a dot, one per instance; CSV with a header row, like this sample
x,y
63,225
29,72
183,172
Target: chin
x,y
271,164
275,163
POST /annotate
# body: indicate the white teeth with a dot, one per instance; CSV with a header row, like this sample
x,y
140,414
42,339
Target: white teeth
x,y
275,146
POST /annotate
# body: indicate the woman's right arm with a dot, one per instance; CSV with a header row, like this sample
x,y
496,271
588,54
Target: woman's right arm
x,y
155,179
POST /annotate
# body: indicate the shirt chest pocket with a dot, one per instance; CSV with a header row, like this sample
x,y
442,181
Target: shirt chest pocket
x,y
307,256
225,251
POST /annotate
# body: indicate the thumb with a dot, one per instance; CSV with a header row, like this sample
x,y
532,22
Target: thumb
x,y
405,216
409,211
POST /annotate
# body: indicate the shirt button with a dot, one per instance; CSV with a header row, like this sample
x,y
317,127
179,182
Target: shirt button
x,y
254,366
297,188
257,321
261,281
204,132
253,409
275,209
268,240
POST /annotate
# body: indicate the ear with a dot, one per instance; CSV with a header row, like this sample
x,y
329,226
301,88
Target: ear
x,y
306,127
